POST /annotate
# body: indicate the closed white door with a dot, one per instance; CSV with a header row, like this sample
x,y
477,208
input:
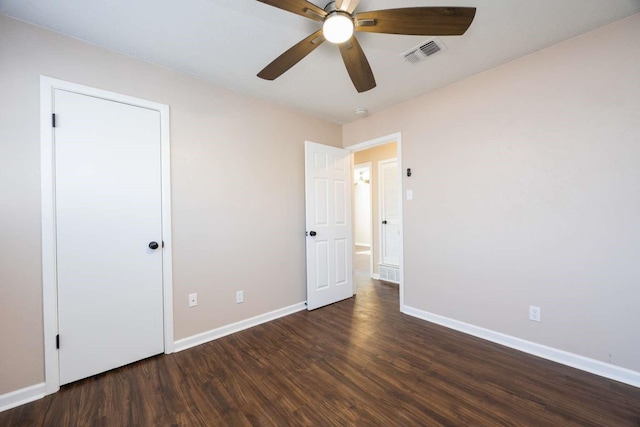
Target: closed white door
x,y
328,220
389,212
108,211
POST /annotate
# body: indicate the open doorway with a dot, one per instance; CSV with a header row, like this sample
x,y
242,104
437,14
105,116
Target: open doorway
x,y
329,182
377,207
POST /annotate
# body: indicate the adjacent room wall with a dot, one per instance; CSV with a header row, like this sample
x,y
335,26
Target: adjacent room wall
x,y
526,183
362,208
237,182
374,155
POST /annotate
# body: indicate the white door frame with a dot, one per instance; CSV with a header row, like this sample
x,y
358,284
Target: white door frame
x,y
47,182
397,138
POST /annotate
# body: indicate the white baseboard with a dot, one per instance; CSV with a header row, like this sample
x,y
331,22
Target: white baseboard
x,y
375,276
214,334
593,366
38,391
21,396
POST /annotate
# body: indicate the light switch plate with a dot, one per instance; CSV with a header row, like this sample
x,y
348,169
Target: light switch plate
x,y
193,300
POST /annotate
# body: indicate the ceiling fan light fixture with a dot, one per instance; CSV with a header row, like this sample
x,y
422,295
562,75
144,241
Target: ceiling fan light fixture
x,y
337,27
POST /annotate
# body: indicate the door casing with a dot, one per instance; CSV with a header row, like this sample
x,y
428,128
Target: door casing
x,y
49,282
394,137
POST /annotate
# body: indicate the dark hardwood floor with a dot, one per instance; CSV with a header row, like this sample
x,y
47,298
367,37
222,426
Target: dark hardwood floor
x,y
357,362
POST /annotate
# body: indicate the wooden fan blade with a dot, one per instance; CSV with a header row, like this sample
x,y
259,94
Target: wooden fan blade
x,y
357,65
347,5
299,7
291,57
417,21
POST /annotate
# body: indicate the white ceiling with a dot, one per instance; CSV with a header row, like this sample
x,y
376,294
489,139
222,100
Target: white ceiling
x,y
228,42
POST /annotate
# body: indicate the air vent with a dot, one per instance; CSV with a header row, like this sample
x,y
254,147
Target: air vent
x,y
430,48
413,56
424,50
389,273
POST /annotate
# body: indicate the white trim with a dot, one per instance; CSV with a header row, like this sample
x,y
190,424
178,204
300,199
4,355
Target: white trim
x,y
223,331
167,238
49,284
397,138
21,396
375,276
365,245
394,137
593,366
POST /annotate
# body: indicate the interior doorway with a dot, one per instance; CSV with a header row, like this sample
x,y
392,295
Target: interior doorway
x,y
377,171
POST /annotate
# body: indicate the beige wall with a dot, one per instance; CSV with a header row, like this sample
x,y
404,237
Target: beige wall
x,y
237,182
526,184
374,155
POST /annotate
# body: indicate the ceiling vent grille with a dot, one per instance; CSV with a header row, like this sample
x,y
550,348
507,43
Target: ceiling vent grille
x,y
424,50
430,48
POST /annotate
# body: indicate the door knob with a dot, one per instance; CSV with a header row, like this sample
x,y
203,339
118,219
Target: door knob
x,y
384,222
312,233
154,245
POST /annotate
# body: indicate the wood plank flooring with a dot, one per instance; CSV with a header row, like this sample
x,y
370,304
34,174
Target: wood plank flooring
x,y
358,362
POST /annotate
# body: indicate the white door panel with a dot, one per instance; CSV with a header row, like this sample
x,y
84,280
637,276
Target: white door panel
x,y
108,209
389,212
328,216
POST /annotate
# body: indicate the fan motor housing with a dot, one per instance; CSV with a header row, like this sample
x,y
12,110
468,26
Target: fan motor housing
x,y
330,7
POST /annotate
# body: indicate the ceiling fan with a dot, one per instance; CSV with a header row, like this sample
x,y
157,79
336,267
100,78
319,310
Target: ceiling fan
x,y
339,23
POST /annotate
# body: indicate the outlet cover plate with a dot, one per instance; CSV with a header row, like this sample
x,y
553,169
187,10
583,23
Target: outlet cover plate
x,y
534,313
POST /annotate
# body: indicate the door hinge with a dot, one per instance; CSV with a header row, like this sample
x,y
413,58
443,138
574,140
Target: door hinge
x,y
57,341
53,120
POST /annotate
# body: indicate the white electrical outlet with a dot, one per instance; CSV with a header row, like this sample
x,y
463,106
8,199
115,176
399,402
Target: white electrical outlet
x,y
193,300
239,297
534,313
